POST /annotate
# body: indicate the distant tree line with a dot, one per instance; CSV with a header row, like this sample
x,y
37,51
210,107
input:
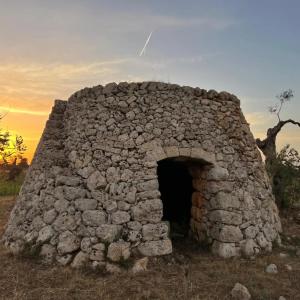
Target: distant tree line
x,y
12,148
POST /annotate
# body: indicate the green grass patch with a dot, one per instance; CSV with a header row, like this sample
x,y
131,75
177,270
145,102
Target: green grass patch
x,y
10,188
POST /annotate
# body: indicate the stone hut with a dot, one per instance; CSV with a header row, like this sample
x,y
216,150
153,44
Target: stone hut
x,y
120,167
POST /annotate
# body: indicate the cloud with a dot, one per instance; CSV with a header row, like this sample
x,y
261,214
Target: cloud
x,y
31,88
23,111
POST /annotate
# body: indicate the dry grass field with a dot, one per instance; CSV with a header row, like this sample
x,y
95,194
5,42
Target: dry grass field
x,y
189,273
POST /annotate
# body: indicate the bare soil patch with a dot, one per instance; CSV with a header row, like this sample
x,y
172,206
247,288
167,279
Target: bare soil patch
x,y
189,273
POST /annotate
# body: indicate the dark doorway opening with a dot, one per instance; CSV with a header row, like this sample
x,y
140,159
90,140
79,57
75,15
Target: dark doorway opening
x,y
176,188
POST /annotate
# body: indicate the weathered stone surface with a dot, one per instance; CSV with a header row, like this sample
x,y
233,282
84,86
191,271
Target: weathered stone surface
x,y
80,260
217,173
224,200
229,234
86,204
98,252
149,210
64,222
240,292
67,242
153,248
226,217
272,269
45,234
149,185
72,193
67,180
225,250
120,217
250,248
95,174
64,259
108,233
118,251
49,216
96,181
93,217
155,231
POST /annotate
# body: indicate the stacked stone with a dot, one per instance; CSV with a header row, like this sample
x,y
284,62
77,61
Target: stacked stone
x,y
92,195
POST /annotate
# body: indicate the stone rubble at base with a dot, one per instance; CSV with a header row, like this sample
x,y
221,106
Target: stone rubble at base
x,y
92,194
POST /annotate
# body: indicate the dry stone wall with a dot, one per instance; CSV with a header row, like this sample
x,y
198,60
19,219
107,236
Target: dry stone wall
x,y
92,195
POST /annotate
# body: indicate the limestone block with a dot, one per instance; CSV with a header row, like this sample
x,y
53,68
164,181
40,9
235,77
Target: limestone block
x,y
45,234
251,232
158,153
49,216
224,201
86,204
72,193
225,250
93,217
154,248
186,152
217,173
67,180
249,248
98,252
240,292
172,151
110,206
226,217
155,231
149,210
133,236
120,217
261,240
96,181
230,234
108,233
112,175
202,155
85,172
61,205
148,185
64,222
67,243
86,245
118,251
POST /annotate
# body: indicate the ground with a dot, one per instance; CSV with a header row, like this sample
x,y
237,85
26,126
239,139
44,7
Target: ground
x,y
189,273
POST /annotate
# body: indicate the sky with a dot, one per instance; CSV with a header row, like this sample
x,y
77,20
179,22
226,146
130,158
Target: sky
x,y
51,48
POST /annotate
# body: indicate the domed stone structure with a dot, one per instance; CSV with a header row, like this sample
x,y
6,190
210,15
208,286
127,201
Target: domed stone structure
x,y
121,169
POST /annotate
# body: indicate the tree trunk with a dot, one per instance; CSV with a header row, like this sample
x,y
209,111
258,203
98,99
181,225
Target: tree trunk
x,y
268,145
268,148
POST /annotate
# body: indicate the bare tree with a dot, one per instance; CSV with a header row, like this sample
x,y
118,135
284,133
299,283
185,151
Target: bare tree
x,y
268,145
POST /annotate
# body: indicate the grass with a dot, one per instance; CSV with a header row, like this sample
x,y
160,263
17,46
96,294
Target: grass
x,y
189,273
10,188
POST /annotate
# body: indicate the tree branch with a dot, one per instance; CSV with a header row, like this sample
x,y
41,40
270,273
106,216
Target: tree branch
x,y
269,141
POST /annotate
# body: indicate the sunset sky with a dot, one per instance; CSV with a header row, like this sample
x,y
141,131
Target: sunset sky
x,y
50,48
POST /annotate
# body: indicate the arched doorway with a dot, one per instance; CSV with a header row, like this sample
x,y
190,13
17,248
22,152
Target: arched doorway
x,y
178,179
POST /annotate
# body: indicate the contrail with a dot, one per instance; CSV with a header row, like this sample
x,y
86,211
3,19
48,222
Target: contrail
x,y
147,41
